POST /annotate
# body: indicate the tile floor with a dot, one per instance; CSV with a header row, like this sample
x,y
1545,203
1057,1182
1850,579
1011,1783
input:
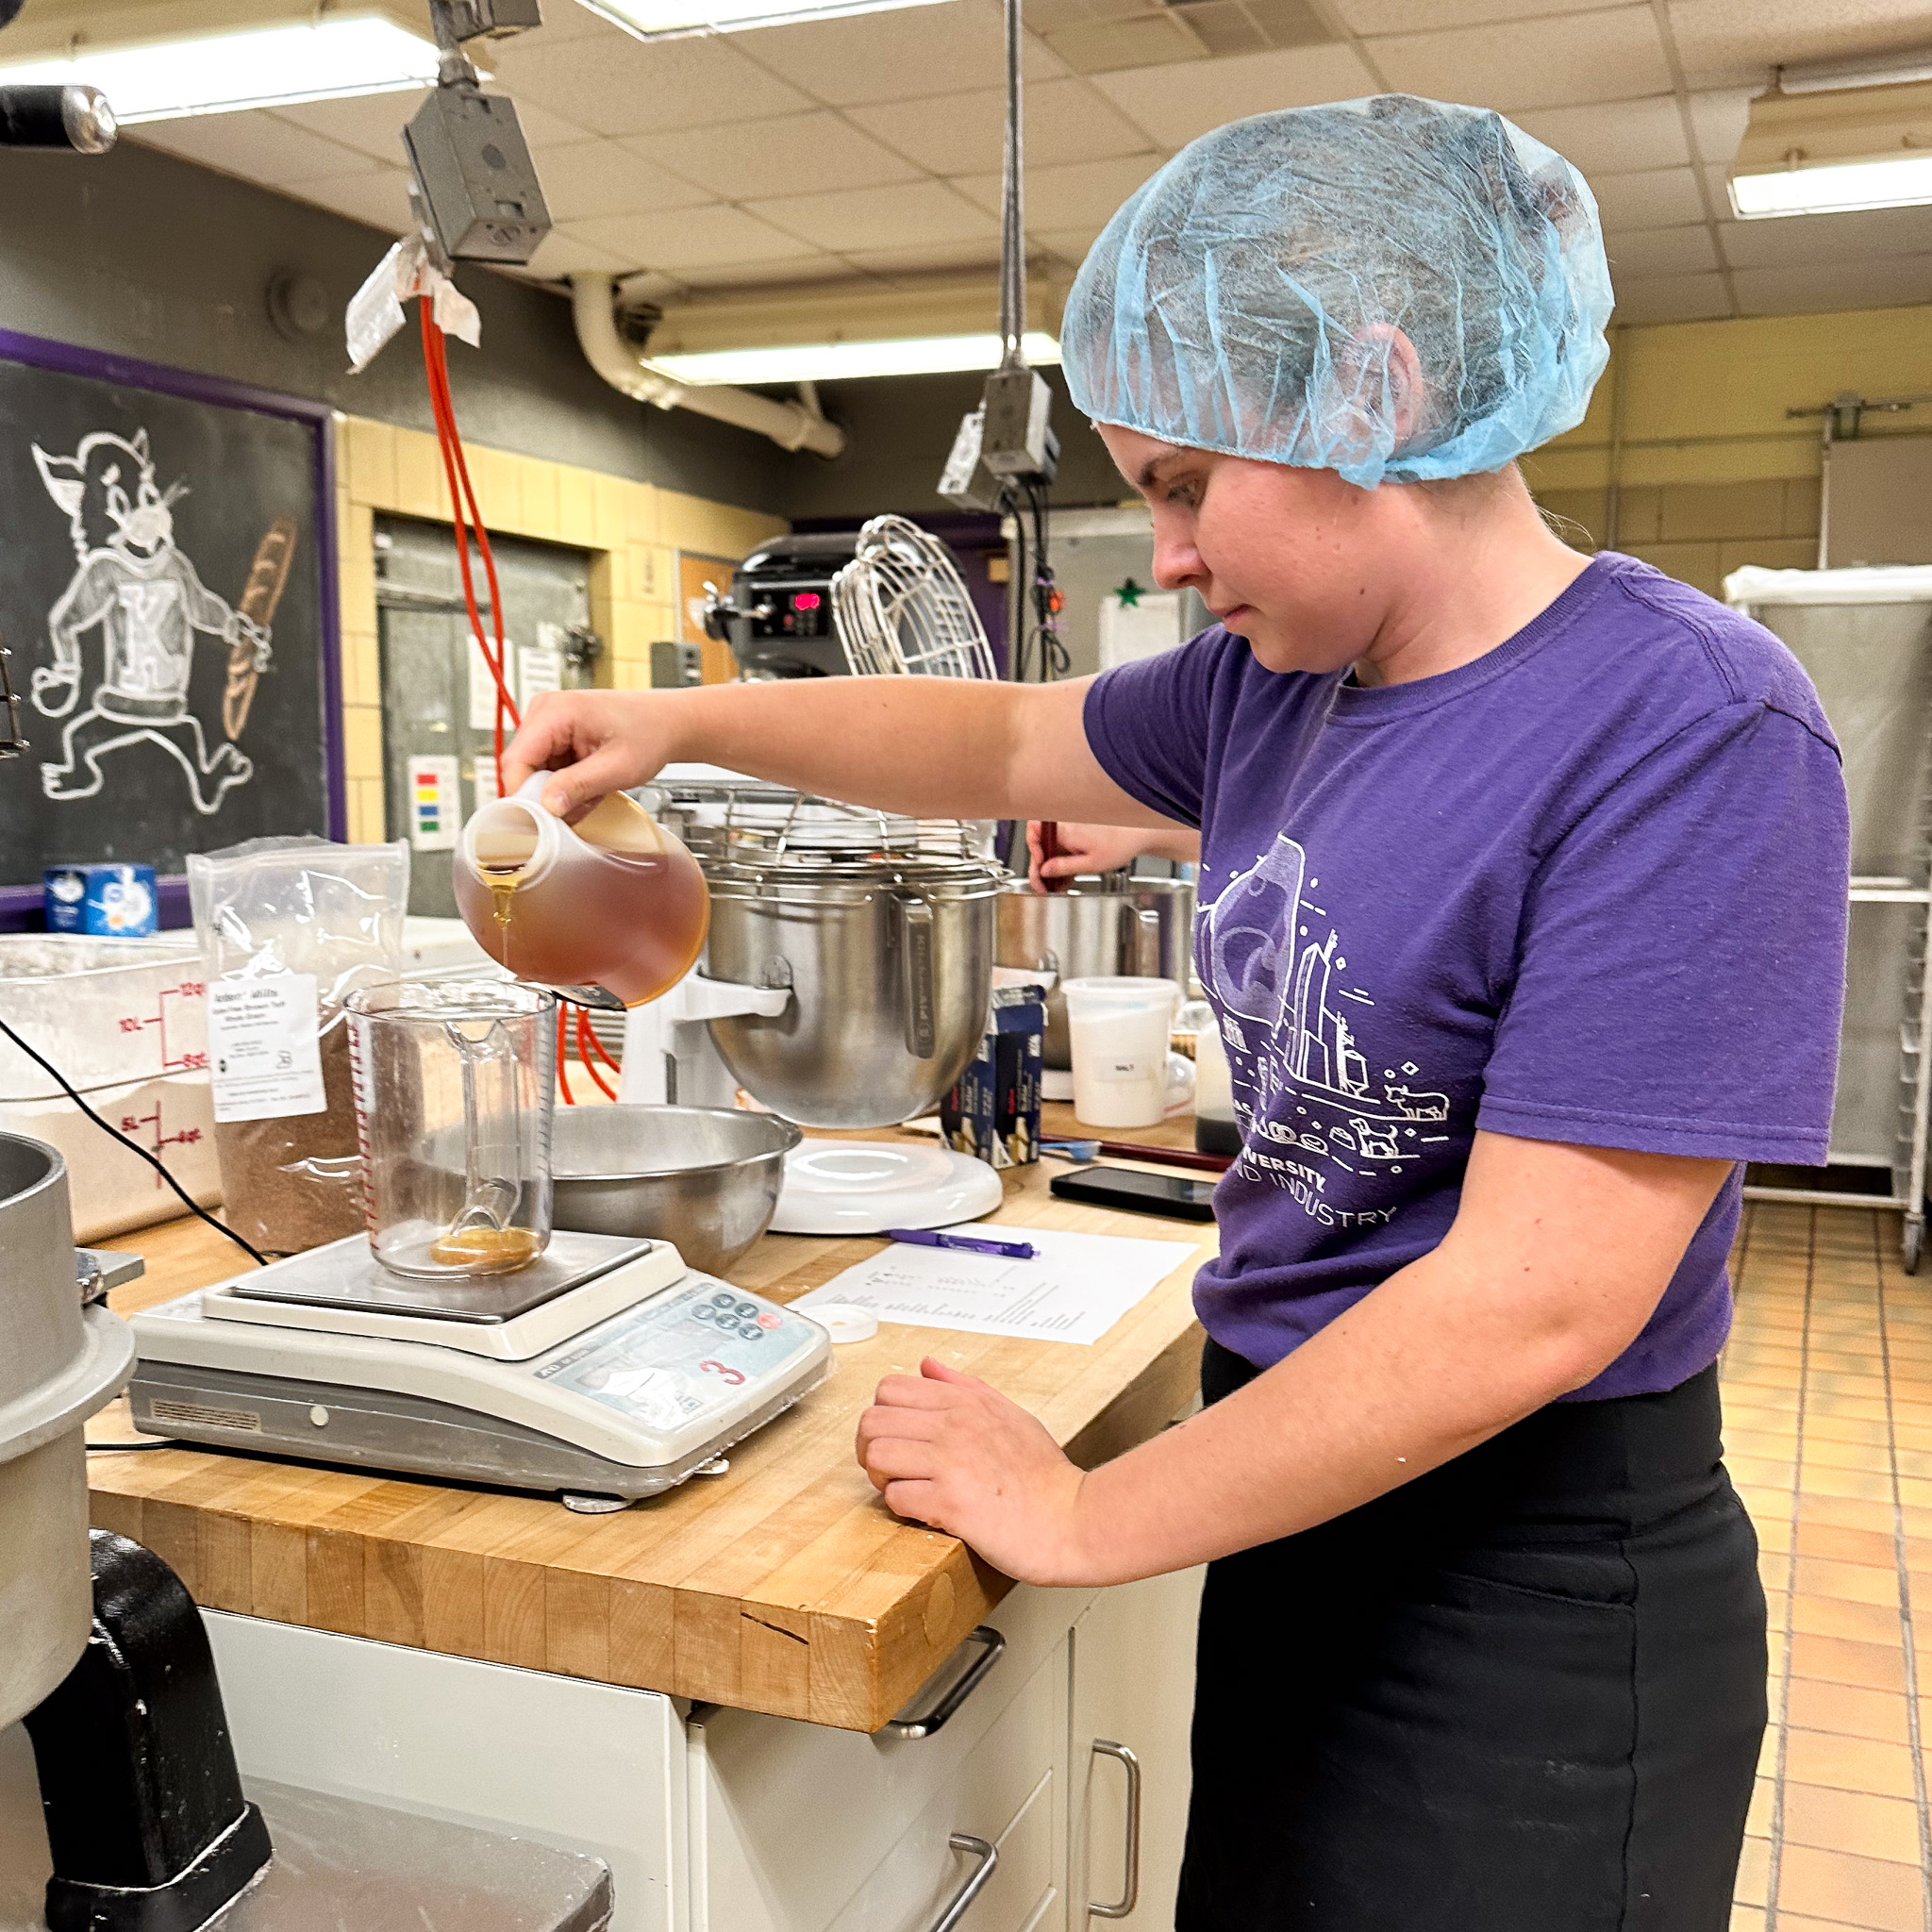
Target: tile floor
x,y
1829,1431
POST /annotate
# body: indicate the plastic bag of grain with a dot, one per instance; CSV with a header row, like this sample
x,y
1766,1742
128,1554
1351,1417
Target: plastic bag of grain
x,y
289,928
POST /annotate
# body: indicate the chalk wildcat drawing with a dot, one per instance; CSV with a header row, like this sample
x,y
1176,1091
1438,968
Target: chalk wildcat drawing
x,y
136,585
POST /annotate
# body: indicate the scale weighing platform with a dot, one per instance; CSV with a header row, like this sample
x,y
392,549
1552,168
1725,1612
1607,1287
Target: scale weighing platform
x,y
606,1371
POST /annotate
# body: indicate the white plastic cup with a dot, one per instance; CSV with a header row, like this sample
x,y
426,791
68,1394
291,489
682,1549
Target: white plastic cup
x,y
1118,1029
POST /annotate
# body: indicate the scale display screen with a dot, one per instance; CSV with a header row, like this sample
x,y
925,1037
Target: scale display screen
x,y
679,1356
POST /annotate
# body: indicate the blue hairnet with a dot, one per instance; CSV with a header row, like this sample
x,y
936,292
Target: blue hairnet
x,y
1245,299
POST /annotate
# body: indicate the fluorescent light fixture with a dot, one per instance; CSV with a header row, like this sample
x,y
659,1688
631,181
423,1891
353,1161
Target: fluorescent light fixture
x,y
652,19
834,361
1905,182
256,67
1834,152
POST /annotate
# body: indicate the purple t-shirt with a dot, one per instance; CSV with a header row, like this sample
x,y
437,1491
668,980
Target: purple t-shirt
x,y
1590,888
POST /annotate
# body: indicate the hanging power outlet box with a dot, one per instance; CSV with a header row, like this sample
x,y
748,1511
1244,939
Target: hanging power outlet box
x,y
478,180
1017,440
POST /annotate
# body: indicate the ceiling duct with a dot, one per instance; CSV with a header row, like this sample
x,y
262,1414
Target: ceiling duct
x,y
624,367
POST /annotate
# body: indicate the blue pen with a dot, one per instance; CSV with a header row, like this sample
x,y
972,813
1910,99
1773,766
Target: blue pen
x,y
931,1238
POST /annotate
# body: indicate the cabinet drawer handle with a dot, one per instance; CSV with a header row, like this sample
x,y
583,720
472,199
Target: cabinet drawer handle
x,y
957,1906
1130,1890
993,1646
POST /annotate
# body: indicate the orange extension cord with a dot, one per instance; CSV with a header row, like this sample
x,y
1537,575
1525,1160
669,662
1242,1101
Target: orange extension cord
x,y
462,493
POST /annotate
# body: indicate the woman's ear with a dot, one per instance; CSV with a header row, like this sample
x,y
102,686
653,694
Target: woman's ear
x,y
1382,376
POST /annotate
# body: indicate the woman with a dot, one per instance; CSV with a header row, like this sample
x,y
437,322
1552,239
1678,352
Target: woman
x,y
1522,910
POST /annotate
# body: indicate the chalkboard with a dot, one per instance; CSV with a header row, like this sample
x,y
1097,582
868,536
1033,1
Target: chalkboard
x,y
167,591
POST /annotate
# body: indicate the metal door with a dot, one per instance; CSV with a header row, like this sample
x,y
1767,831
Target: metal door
x,y
436,715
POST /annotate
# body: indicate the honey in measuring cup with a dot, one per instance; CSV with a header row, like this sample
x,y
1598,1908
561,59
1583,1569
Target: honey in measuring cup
x,y
614,901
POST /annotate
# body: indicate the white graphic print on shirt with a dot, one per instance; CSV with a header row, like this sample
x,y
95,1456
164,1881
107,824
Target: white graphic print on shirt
x,y
1302,1080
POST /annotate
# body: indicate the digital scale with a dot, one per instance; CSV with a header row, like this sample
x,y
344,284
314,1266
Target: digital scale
x,y
606,1371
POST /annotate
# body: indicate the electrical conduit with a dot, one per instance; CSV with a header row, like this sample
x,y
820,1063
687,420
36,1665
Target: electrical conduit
x,y
790,425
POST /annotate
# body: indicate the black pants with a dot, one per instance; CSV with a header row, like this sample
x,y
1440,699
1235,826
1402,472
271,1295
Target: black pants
x,y
1521,1693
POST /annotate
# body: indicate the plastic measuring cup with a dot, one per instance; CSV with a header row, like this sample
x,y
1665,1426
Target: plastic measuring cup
x,y
453,1102
1118,1029
614,901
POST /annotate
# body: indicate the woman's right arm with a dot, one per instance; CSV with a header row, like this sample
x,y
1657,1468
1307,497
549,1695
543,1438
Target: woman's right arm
x,y
928,747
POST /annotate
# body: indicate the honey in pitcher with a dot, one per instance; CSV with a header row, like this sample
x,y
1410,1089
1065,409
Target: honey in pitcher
x,y
614,901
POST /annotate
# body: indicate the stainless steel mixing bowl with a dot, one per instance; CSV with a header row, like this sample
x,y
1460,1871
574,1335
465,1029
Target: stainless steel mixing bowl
x,y
704,1179
890,964
1136,929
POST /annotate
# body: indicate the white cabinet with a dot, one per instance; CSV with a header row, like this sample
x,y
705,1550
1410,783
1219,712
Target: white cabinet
x,y
732,1822
798,1828
1133,1688
590,1767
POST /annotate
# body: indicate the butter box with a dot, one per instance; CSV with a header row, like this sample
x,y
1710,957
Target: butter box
x,y
103,901
993,1113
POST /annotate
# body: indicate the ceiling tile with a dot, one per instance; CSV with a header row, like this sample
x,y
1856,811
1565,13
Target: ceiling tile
x,y
905,265
1737,42
1652,198
379,198
796,154
256,145
1082,195
1145,40
1805,241
1418,16
1069,246
1718,121
371,124
599,178
1613,54
1066,120
1672,298
612,84
907,53
1614,136
906,216
1660,252
797,271
682,239
1903,279
1174,104
563,20
563,253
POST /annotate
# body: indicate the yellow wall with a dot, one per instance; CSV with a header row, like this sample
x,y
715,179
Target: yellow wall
x,y
1711,473
634,532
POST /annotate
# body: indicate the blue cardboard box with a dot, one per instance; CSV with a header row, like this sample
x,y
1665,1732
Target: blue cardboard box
x,y
106,901
993,1113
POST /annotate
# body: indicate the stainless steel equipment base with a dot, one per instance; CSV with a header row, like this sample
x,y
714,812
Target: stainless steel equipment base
x,y
338,1863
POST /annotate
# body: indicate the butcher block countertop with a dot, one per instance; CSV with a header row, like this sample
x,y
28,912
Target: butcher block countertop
x,y
784,1586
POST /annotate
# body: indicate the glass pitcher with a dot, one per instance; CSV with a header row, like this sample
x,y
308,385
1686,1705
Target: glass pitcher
x,y
614,901
454,1083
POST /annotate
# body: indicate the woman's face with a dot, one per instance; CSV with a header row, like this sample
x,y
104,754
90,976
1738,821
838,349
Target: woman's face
x,y
1300,564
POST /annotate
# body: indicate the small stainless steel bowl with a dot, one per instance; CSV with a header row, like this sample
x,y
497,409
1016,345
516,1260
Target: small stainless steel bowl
x,y
704,1179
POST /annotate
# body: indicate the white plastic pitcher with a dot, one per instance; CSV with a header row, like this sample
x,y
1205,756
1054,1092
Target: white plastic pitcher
x,y
613,901
1119,1030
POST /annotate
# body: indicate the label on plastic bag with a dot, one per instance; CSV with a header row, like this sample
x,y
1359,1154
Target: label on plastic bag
x,y
264,1050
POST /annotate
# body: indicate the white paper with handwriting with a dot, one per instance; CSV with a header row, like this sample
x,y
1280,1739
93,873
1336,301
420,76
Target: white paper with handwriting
x,y
1076,1287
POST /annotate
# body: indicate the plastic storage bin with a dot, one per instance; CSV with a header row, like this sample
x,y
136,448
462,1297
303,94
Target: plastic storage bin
x,y
126,1022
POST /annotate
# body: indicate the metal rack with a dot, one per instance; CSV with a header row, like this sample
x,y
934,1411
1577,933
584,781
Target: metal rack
x,y
1865,637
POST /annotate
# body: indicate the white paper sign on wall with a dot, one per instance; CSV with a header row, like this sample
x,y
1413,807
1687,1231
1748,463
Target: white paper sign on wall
x,y
1148,626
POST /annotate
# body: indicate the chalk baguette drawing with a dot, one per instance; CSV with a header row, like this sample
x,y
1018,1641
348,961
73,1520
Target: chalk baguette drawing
x,y
268,577
143,593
